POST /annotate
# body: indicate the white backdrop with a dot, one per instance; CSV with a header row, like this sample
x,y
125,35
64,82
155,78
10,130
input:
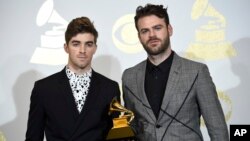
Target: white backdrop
x,y
32,35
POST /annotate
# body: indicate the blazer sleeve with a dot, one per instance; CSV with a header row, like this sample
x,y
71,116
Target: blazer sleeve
x,y
126,99
36,119
210,106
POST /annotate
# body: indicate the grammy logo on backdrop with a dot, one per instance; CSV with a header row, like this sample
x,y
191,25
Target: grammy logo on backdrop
x,y
121,128
51,51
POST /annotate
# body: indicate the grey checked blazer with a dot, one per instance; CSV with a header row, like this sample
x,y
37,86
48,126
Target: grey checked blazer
x,y
190,93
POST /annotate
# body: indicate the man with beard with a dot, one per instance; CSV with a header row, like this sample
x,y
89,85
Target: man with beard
x,y
167,93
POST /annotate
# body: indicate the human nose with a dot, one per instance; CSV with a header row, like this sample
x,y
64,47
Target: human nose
x,y
151,33
82,49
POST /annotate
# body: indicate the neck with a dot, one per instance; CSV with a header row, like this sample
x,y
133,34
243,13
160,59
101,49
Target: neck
x,y
157,59
79,71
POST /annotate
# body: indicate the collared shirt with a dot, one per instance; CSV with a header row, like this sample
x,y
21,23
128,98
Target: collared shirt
x,y
156,78
80,86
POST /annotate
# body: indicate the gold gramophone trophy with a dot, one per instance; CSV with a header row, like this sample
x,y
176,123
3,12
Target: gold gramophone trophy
x,y
121,128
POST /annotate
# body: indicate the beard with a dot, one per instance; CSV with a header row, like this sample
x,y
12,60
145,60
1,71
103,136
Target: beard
x,y
159,49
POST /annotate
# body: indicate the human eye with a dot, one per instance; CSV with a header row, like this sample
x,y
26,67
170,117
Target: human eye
x,y
90,44
158,27
75,44
144,31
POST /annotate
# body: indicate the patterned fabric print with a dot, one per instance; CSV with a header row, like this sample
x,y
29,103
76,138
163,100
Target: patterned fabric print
x,y
80,86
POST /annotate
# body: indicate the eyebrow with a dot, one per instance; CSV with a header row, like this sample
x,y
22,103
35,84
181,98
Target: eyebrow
x,y
87,42
143,29
92,42
157,25
75,41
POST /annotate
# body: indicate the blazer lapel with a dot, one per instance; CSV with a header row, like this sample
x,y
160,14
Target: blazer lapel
x,y
67,93
91,97
171,84
140,78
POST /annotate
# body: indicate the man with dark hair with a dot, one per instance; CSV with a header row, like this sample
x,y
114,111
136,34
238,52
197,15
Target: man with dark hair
x,y
73,105
167,93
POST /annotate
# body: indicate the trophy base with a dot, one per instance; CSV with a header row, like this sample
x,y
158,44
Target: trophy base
x,y
125,139
120,133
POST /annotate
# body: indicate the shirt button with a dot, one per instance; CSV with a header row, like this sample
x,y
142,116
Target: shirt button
x,y
158,126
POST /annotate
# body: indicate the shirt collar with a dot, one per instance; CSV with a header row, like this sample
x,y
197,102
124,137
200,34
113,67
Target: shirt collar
x,y
163,66
72,75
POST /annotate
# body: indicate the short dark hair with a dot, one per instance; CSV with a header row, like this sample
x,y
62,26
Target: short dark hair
x,y
80,25
151,9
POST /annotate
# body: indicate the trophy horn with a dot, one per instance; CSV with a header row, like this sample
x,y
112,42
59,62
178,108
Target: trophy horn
x,y
115,106
121,128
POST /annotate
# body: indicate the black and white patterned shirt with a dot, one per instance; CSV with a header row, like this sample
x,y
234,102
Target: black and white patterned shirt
x,y
80,86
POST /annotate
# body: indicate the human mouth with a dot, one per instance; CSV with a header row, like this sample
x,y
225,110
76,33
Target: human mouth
x,y
153,41
82,57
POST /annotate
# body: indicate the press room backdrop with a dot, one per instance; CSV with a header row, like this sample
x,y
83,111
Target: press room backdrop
x,y
32,36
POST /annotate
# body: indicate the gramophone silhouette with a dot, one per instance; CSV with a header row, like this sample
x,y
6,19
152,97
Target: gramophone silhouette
x,y
209,41
51,51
